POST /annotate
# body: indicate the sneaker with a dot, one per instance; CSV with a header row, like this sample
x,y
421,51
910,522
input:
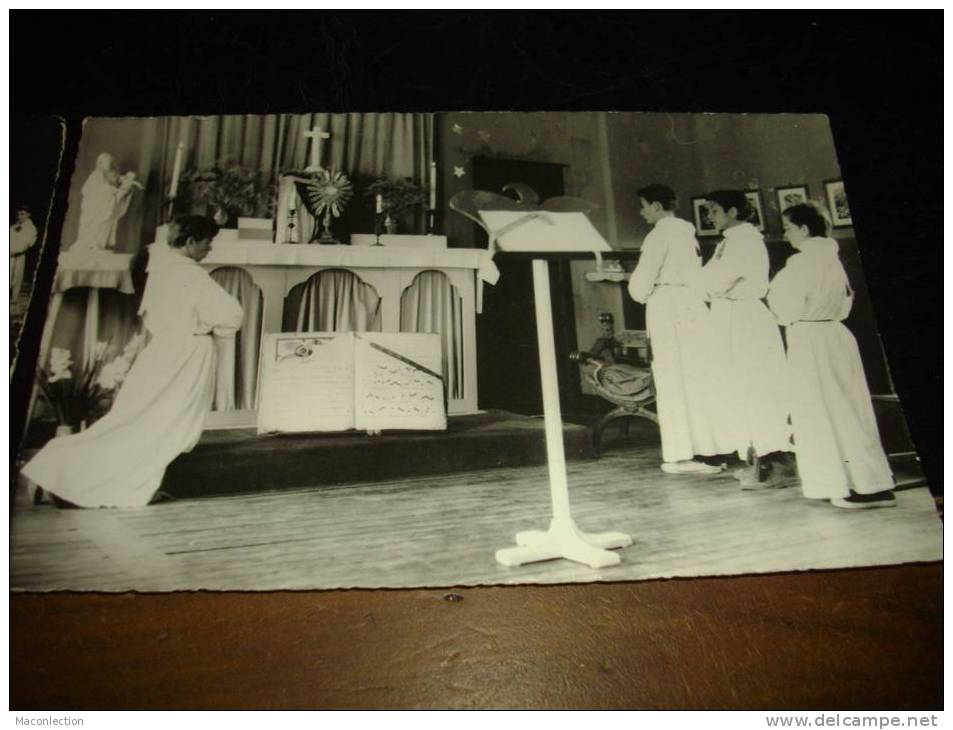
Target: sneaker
x,y
689,467
866,501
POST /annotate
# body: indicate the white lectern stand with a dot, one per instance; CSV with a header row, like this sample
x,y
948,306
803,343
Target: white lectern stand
x,y
544,232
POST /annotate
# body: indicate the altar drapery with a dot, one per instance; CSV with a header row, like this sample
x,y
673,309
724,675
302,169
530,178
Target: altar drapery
x,y
431,304
236,382
333,300
392,144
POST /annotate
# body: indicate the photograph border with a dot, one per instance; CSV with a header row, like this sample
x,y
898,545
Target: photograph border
x,y
754,197
697,203
829,187
778,192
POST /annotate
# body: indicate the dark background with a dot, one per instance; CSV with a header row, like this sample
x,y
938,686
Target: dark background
x,y
877,75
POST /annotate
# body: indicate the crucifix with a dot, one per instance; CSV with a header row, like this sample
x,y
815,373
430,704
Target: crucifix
x,y
316,136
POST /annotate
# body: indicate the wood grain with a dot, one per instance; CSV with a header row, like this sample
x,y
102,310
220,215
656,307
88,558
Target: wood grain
x,y
856,639
442,531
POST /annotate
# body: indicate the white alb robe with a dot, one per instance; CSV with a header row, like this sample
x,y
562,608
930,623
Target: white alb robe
x,y
835,433
22,238
666,280
161,408
747,352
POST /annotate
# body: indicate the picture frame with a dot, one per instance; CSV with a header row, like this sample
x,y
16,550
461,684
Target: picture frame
x,y
754,199
836,198
703,225
791,195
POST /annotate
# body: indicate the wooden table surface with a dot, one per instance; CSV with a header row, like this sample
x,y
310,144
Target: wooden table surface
x,y
851,639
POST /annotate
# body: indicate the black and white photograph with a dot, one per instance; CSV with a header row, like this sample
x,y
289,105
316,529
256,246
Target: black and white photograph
x,y
703,224
34,166
369,360
791,195
757,209
837,203
412,379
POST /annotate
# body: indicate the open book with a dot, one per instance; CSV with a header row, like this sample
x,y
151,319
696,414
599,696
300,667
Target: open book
x,y
335,381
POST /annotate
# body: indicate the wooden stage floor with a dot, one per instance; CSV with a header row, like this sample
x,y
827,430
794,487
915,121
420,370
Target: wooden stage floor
x,y
443,531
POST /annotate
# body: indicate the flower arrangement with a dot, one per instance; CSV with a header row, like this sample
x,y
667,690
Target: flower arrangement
x,y
396,195
231,190
82,398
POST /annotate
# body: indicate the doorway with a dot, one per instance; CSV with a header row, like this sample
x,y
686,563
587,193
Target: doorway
x,y
507,350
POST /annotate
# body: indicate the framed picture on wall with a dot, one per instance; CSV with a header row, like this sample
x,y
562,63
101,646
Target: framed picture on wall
x,y
754,199
703,224
837,203
791,195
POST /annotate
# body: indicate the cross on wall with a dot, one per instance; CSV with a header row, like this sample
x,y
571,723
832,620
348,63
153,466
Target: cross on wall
x,y
317,136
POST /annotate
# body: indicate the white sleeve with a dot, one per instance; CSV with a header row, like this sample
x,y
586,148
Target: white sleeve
x,y
786,295
219,310
22,240
738,262
647,270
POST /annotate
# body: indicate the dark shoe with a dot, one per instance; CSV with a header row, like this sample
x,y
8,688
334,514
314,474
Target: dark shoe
x,y
866,501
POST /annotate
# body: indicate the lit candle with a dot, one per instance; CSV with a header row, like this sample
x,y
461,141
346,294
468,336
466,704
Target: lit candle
x,y
176,169
379,205
433,185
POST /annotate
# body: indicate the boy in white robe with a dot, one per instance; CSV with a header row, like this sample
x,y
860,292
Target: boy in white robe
x,y
161,407
22,238
839,454
747,352
666,280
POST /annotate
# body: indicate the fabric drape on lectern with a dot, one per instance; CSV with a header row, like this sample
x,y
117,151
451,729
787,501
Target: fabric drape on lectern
x,y
333,300
432,304
236,381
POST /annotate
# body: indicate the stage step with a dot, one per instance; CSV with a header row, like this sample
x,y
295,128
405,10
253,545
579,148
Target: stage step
x,y
238,460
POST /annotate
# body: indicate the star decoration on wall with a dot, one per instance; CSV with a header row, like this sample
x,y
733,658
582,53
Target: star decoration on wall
x,y
458,171
457,129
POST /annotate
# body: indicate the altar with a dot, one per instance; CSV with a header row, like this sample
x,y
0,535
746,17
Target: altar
x,y
277,268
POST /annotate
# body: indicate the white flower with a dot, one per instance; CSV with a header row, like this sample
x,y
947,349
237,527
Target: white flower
x,y
113,373
134,346
61,360
99,350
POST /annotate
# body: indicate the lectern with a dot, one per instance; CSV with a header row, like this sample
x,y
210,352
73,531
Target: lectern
x,y
540,233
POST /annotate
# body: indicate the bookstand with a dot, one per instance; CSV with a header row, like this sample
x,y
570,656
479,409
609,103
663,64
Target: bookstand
x,y
563,539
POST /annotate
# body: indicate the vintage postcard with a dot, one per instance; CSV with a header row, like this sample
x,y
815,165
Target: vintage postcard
x,y
36,152
603,354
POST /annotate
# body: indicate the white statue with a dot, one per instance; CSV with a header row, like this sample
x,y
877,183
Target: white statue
x,y
106,198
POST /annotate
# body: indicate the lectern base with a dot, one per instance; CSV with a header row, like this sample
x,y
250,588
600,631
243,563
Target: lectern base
x,y
564,540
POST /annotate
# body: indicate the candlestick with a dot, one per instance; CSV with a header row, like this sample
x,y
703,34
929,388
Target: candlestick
x,y
379,205
176,169
433,185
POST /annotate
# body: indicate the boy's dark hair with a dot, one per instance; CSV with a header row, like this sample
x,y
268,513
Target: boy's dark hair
x,y
661,194
193,226
736,199
804,214
23,207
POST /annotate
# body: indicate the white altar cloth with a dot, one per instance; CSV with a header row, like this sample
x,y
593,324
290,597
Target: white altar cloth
x,y
277,268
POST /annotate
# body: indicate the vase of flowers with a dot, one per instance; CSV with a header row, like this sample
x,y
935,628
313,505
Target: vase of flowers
x,y
79,396
228,192
328,192
393,198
